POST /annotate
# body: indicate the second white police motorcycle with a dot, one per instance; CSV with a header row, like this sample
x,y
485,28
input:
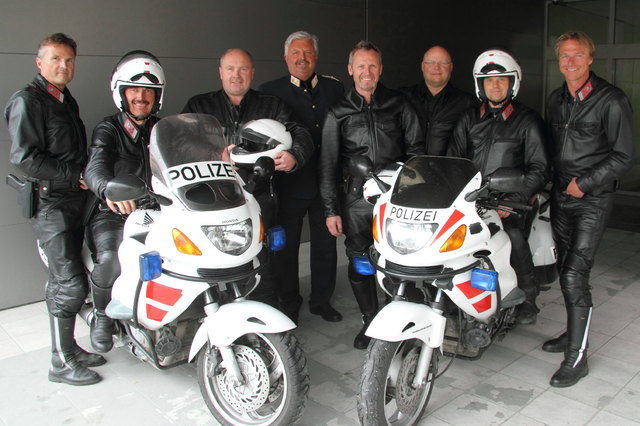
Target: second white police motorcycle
x,y
187,266
442,257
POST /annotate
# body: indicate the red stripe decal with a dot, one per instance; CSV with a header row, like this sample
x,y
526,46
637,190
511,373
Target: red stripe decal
x,y
483,305
163,294
155,314
381,217
455,217
469,291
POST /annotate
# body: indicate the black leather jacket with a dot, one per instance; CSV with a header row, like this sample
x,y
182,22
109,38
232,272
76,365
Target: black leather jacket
x,y
386,130
513,136
592,135
47,134
254,105
118,147
438,114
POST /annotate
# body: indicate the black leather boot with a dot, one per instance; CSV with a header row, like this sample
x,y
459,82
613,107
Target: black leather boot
x,y
101,325
362,341
574,367
527,313
87,359
559,344
65,365
364,289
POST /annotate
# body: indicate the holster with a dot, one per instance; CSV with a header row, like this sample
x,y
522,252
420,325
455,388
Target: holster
x,y
26,195
353,185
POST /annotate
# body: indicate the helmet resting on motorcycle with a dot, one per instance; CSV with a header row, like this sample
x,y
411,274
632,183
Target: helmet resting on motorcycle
x,y
496,63
137,68
261,138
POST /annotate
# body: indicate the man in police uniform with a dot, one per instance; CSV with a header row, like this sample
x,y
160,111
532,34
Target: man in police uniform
x,y
438,103
48,145
309,95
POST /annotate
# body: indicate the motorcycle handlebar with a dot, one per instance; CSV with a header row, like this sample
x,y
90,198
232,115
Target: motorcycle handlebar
x,y
508,205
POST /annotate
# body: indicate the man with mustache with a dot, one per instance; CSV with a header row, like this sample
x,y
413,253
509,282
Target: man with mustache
x,y
119,146
48,145
237,104
380,124
309,95
438,103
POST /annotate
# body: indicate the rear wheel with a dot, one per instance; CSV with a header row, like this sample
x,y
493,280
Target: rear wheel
x,y
387,395
276,381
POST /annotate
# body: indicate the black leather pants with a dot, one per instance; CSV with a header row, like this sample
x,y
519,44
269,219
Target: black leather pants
x,y
323,255
356,225
521,260
59,226
105,231
578,226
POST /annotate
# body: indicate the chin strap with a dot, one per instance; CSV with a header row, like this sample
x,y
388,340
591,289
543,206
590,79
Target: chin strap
x,y
138,117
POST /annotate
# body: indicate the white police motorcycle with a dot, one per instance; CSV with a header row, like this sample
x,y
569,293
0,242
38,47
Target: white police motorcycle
x,y
187,267
442,257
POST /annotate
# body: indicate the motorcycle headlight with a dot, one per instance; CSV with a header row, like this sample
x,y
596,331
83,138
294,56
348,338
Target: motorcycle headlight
x,y
232,239
406,238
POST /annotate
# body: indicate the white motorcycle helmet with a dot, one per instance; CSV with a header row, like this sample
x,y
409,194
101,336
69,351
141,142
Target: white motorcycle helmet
x,y
137,68
496,63
260,138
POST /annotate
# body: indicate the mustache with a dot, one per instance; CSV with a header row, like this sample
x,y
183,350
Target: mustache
x,y
139,102
302,61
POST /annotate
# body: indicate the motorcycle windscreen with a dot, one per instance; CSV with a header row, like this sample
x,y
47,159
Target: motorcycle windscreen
x,y
430,182
186,155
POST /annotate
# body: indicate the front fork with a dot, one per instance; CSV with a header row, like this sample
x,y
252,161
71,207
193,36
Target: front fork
x,y
426,352
229,360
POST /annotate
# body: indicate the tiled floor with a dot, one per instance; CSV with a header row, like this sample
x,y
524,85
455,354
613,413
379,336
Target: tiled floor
x,y
508,385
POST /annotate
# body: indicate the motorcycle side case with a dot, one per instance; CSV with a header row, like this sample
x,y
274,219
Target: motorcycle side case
x,y
233,320
401,320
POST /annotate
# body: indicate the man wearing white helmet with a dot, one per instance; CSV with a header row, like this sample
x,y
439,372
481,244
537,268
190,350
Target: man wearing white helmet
x,y
502,132
48,145
235,106
119,146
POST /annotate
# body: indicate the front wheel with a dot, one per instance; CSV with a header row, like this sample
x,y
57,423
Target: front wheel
x,y
276,381
387,395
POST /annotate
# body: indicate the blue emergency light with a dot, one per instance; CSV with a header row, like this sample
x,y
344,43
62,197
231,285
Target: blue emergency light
x,y
363,265
150,266
484,279
277,238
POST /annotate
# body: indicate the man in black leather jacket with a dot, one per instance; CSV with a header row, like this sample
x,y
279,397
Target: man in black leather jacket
x,y
119,146
309,95
501,132
49,147
591,126
438,103
237,104
375,122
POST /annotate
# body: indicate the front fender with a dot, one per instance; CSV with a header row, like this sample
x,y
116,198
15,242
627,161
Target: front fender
x,y
236,319
400,321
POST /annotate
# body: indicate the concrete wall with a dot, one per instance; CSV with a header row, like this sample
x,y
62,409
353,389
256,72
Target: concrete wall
x,y
189,36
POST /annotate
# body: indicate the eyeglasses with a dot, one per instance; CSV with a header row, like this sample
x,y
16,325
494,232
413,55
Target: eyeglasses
x,y
433,63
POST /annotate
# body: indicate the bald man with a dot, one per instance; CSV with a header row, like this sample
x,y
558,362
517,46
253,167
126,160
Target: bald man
x,y
438,103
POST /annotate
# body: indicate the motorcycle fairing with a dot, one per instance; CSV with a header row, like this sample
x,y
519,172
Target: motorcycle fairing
x,y
433,175
233,320
400,321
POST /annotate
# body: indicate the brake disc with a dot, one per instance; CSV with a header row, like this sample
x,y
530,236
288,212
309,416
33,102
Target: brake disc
x,y
250,395
408,397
